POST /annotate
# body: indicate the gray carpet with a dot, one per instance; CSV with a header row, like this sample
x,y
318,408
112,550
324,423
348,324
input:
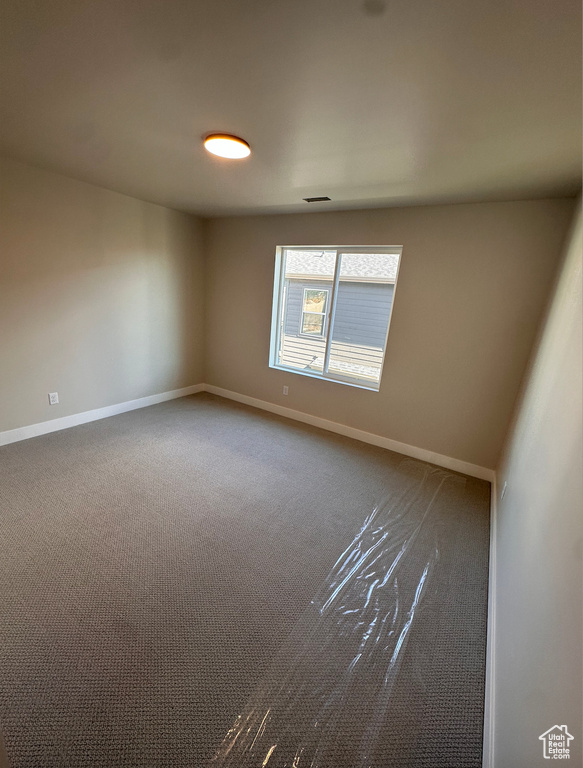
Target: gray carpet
x,y
153,565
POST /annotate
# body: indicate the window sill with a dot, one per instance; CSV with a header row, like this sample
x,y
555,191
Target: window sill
x,y
332,379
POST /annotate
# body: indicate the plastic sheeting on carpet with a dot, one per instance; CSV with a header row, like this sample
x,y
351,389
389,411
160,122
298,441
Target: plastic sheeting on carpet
x,y
325,697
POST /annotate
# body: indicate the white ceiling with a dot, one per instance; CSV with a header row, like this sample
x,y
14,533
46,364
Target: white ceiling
x,y
382,102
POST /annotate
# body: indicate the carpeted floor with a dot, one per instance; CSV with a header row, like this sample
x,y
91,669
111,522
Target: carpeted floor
x,y
154,564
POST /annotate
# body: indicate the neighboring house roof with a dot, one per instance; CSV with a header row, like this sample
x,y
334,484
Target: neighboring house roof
x,y
373,267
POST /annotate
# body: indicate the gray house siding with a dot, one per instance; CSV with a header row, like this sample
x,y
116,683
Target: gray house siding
x,y
362,310
298,350
295,297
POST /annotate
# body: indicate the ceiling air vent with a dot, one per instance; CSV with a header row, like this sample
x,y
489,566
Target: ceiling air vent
x,y
316,199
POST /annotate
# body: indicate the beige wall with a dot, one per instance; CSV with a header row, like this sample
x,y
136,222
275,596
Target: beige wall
x,y
538,598
472,286
100,297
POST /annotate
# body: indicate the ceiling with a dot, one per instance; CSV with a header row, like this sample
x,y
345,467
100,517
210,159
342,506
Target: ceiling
x,y
374,103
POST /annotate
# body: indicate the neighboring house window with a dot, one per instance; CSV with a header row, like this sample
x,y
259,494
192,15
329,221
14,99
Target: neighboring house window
x,y
331,311
314,312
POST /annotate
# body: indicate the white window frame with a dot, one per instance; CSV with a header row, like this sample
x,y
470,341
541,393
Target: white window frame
x,y
278,317
324,313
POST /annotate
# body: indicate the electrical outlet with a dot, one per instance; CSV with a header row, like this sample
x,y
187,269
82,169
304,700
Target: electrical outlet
x,y
53,398
503,491
285,390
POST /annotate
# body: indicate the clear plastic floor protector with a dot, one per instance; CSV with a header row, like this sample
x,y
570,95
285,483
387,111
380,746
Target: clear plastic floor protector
x,y
324,699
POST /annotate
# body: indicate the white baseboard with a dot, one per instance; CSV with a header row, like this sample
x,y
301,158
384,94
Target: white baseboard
x,y
488,747
54,425
44,427
483,473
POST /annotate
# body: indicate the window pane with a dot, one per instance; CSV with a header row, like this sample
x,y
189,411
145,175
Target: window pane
x,y
307,282
313,323
361,319
337,331
315,301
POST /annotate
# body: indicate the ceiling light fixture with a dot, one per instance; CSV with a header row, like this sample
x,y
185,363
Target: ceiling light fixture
x,y
225,145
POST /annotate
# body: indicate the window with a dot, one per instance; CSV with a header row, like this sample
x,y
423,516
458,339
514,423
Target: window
x,y
314,312
331,311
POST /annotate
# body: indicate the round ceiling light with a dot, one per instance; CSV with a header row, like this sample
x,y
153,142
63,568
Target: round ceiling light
x,y
225,145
